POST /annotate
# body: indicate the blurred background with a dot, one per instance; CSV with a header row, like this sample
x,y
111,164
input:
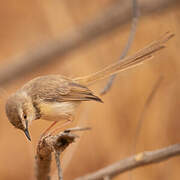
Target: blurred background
x,y
29,24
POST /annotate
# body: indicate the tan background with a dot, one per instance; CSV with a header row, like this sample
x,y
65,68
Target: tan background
x,y
25,24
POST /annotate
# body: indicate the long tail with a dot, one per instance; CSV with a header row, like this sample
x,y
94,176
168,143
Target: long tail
x,y
126,63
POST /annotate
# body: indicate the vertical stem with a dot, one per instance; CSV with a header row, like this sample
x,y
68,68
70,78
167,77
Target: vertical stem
x,y
57,158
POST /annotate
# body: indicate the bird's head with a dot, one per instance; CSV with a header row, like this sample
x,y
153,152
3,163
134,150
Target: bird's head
x,y
20,111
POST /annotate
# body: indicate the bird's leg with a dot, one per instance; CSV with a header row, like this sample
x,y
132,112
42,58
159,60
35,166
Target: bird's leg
x,y
48,129
68,120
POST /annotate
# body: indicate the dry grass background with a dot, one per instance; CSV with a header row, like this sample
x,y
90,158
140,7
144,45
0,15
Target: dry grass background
x,y
25,24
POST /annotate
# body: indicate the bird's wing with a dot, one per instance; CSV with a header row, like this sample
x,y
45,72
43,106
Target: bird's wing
x,y
56,88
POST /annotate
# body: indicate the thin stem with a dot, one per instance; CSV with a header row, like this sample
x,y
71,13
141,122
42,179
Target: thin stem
x,y
135,17
58,163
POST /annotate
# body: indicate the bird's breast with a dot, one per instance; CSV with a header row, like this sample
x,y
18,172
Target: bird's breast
x,y
56,111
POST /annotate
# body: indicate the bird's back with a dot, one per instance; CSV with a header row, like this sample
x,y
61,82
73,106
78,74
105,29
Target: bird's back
x,y
57,88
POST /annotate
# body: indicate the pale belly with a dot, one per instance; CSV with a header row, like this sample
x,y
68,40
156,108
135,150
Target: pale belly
x,y
58,111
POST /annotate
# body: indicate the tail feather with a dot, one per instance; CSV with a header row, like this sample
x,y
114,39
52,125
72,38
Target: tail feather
x,y
128,62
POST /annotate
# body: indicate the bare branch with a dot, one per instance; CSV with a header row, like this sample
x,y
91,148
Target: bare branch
x,y
139,160
112,18
57,144
58,163
75,129
135,13
46,146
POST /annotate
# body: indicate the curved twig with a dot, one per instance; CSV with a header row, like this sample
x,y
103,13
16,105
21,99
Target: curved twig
x,y
135,18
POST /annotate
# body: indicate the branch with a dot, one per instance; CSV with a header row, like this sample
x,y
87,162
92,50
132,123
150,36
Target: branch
x,y
46,145
57,144
57,158
136,12
139,160
112,18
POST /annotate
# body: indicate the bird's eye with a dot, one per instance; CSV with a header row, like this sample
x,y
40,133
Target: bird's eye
x,y
25,116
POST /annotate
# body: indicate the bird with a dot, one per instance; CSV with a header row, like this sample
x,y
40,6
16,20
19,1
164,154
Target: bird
x,y
56,97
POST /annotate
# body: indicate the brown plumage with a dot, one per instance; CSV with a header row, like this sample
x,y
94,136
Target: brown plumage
x,y
57,88
55,97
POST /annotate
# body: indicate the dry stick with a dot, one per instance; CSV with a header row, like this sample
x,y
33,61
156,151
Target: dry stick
x,y
136,12
112,18
57,153
142,115
43,161
139,160
46,146
58,163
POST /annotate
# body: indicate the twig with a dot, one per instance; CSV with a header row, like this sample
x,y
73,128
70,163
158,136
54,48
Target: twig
x,y
139,160
77,129
57,158
136,12
112,18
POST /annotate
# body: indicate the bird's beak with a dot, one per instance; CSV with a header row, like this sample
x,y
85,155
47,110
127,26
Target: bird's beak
x,y
27,132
